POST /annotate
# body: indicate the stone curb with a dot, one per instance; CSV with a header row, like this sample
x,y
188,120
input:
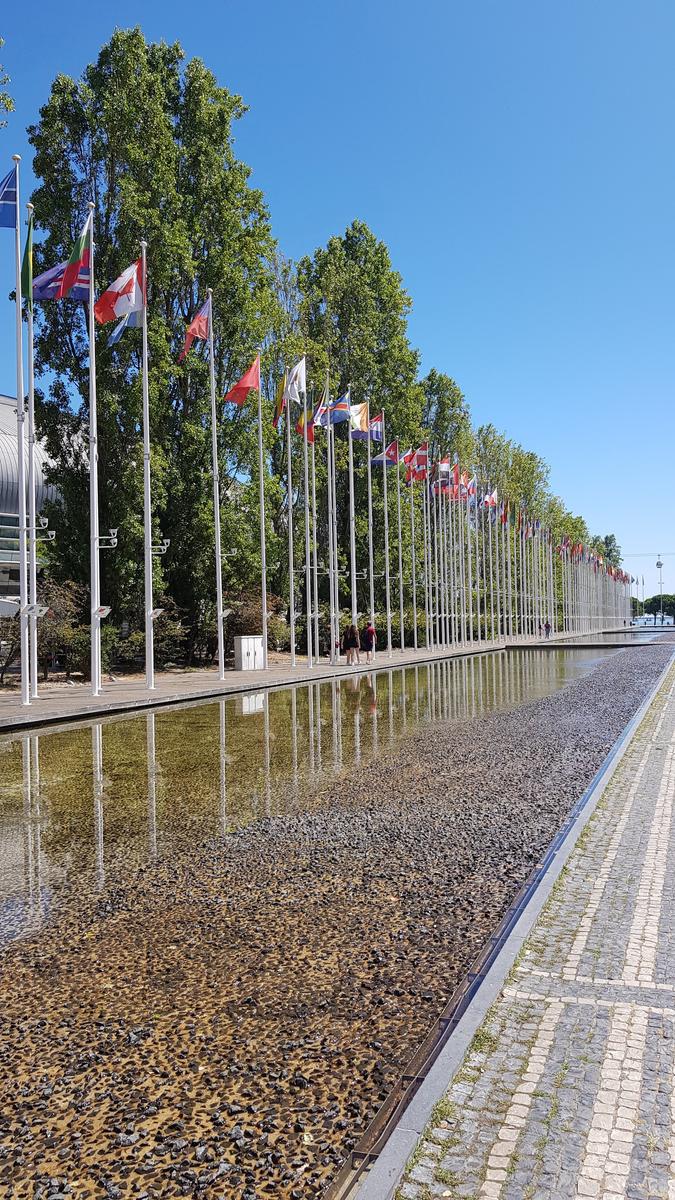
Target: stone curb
x,y
385,1175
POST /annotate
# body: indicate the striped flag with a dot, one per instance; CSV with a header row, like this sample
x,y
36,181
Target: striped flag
x,y
8,200
79,258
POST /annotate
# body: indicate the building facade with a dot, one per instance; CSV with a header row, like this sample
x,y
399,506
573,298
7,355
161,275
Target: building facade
x,y
9,493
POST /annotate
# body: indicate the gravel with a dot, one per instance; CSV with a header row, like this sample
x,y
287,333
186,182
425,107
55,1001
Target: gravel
x,y
231,1020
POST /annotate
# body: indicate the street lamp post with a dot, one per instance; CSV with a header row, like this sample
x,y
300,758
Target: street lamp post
x,y
660,568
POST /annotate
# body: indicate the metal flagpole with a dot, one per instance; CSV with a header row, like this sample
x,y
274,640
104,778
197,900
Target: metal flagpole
x,y
216,494
147,508
490,557
352,519
94,541
308,555
479,631
371,568
469,566
425,544
21,464
413,564
436,575
386,539
336,556
329,512
461,561
32,506
289,502
400,551
263,540
315,564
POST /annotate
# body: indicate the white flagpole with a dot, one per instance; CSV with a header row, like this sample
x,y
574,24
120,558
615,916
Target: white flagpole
x,y
94,541
308,551
147,506
263,538
21,465
400,550
427,579
329,512
436,589
334,533
413,564
32,505
386,540
371,568
315,563
216,497
469,565
352,522
289,504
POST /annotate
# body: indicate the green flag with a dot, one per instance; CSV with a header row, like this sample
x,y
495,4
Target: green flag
x,y
27,266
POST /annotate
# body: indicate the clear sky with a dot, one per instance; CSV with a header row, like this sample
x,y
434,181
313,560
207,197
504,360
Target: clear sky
x,y
518,159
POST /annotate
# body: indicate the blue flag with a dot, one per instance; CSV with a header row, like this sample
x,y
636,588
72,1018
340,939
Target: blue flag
x,y
8,200
132,320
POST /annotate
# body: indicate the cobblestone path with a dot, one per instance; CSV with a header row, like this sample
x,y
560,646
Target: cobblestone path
x,y
567,1089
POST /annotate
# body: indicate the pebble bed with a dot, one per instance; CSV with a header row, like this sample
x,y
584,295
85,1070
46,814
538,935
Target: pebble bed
x,y
227,1023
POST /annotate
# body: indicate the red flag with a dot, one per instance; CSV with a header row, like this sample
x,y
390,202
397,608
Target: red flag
x,y
198,328
249,382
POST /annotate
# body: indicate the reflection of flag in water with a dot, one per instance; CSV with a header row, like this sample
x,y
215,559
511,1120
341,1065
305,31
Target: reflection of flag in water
x,y
388,457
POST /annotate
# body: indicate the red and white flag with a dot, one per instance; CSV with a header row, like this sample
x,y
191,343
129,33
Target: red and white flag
x,y
124,296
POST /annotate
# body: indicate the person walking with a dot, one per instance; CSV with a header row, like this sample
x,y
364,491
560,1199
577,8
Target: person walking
x,y
351,644
547,629
369,641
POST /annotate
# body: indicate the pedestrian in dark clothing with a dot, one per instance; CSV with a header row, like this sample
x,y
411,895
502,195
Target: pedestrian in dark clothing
x,y
369,641
351,645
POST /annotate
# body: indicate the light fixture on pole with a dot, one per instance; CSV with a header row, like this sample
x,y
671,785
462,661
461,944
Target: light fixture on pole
x,y
659,564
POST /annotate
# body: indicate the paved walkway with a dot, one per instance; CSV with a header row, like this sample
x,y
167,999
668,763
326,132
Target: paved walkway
x,y
60,702
567,1088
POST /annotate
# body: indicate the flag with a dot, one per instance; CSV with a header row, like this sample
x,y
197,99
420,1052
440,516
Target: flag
x,y
407,457
79,258
418,464
249,382
321,413
132,320
490,499
339,409
27,265
504,512
46,286
296,384
388,457
199,327
376,428
8,200
125,295
300,425
358,422
279,402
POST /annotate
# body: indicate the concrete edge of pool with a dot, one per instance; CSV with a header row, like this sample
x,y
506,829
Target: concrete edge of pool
x,y
379,1179
69,705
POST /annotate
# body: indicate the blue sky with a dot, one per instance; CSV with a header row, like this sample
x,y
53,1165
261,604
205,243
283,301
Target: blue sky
x,y
518,160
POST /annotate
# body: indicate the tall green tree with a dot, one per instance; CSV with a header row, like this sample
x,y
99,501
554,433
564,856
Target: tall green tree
x,y
148,137
6,102
447,418
609,548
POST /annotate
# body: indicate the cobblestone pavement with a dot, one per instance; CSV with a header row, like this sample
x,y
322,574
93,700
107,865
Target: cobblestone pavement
x,y
567,1089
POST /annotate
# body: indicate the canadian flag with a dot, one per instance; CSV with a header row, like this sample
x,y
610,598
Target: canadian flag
x,y
124,296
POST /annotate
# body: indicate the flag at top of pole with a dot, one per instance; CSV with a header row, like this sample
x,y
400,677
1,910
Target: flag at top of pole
x,y
376,426
126,295
46,286
8,200
249,382
296,384
339,409
79,258
358,422
280,401
388,457
198,328
300,425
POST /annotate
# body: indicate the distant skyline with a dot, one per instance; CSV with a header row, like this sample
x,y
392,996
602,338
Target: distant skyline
x,y
517,160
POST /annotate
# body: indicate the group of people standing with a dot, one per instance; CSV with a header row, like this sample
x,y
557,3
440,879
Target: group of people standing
x,y
352,643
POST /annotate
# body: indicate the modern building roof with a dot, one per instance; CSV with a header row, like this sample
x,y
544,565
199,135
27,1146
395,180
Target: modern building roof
x,y
9,489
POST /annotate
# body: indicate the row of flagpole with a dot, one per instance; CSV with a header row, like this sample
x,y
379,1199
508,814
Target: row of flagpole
x,y
483,577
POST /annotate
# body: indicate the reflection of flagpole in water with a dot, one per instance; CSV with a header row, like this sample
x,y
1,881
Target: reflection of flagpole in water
x,y
335,728
357,727
318,725
374,711
268,787
222,809
310,724
152,784
27,817
417,695
37,815
390,691
97,762
404,698
294,723
339,721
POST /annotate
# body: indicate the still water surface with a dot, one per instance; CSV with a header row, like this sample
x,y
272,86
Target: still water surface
x,y
89,805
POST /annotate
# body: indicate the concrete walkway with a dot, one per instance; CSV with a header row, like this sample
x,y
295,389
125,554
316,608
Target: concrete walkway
x,y
567,1087
60,702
